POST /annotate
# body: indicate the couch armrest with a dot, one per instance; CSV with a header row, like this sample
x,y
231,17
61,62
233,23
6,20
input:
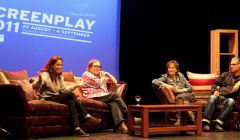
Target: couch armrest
x,y
237,102
161,96
119,88
13,101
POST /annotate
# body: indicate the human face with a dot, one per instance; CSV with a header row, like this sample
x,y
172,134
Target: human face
x,y
172,69
234,66
96,68
58,66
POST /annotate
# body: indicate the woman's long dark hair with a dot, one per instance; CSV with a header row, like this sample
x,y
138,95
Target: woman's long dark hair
x,y
49,68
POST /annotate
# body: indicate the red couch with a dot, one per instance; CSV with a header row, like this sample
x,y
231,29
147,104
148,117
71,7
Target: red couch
x,y
26,117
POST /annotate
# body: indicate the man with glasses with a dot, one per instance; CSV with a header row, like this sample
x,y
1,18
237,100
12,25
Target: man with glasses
x,y
224,92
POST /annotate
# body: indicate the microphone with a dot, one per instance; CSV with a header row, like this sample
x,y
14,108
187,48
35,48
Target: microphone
x,y
218,89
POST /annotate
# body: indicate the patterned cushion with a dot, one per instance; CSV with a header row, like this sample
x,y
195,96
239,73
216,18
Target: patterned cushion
x,y
30,93
3,79
202,83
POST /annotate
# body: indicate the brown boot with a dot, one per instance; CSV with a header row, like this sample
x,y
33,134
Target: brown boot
x,y
122,128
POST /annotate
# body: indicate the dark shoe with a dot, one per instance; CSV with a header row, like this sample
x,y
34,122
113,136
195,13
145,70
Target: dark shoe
x,y
206,127
93,120
79,132
218,126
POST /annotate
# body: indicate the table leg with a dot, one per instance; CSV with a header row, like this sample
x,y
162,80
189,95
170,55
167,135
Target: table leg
x,y
130,122
199,121
145,122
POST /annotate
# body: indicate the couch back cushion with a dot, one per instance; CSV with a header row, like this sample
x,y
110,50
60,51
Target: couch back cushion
x,y
16,75
69,79
3,79
21,78
202,83
29,92
68,76
120,88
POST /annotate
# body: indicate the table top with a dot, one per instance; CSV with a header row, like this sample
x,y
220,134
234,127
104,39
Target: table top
x,y
165,106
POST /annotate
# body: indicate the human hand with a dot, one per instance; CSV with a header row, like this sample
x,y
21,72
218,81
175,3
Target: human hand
x,y
164,85
39,76
216,93
80,82
102,74
178,90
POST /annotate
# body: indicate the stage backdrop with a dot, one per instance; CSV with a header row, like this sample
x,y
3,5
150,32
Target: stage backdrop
x,y
31,31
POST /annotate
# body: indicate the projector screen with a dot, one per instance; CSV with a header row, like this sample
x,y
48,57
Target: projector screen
x,y
31,31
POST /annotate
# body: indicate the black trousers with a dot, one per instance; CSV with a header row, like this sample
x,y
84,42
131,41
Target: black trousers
x,y
75,107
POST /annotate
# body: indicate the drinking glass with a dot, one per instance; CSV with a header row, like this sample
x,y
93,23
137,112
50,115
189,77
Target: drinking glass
x,y
138,98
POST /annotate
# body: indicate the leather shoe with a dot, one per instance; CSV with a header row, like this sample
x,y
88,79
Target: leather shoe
x,y
120,131
92,120
79,132
122,128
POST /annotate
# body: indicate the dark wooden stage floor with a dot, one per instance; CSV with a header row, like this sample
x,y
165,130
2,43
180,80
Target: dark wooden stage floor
x,y
108,135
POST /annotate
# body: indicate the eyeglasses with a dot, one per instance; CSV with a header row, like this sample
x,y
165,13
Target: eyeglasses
x,y
96,66
233,64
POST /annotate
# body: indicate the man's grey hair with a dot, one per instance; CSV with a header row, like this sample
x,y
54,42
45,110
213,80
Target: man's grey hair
x,y
236,58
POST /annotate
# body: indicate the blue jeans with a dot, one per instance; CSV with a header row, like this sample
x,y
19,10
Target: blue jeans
x,y
117,106
213,101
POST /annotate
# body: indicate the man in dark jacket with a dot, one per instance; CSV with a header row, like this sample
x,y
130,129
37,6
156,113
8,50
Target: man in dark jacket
x,y
224,92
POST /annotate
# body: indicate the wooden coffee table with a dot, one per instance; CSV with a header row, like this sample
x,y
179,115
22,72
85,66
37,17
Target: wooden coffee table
x,y
144,110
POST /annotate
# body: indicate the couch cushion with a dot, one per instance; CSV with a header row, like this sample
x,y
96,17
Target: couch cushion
x,y
46,108
3,79
17,75
202,83
29,92
94,104
118,88
68,76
